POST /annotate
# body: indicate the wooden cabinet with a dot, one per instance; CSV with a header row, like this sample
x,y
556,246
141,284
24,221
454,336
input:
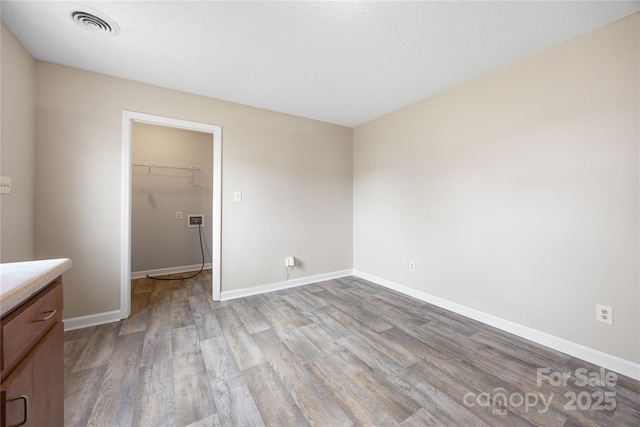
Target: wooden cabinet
x,y
32,361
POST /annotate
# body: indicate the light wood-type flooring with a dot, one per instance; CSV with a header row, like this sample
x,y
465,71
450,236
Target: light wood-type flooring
x,y
337,353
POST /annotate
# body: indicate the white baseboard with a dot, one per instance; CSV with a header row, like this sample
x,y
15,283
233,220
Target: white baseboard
x,y
91,320
170,270
239,293
608,361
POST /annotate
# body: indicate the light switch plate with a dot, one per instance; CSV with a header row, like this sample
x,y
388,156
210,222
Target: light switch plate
x,y
237,196
5,185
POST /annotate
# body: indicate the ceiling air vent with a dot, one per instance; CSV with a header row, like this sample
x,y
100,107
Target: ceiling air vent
x,y
95,23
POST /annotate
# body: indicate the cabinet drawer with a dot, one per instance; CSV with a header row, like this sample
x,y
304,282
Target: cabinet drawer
x,y
22,329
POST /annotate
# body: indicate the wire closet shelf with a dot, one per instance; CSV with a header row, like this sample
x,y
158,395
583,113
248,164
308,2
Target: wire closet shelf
x,y
151,165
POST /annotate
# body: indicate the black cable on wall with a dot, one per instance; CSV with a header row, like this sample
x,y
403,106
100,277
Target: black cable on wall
x,y
201,268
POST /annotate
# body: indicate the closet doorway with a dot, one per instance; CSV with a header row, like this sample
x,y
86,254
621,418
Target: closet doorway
x,y
176,178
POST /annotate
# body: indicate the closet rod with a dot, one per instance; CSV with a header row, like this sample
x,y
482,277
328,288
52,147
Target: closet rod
x,y
167,166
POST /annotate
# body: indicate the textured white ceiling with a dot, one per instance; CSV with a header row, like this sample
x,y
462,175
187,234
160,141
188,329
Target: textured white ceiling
x,y
339,62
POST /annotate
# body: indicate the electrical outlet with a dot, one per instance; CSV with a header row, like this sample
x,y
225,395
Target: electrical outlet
x,y
5,185
195,220
412,266
604,314
178,215
289,261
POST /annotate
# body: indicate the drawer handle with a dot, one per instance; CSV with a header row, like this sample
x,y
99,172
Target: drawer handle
x,y
25,399
48,316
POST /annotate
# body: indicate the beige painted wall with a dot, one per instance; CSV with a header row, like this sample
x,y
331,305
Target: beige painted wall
x,y
17,91
158,239
516,194
295,175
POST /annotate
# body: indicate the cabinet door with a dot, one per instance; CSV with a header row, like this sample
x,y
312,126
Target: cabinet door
x,y
33,393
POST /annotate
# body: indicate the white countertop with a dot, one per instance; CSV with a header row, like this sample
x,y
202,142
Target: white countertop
x,y
19,281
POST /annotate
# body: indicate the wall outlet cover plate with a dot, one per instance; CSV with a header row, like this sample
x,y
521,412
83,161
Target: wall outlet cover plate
x,y
5,185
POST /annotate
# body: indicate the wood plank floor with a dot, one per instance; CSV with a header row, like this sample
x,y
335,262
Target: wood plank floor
x,y
337,353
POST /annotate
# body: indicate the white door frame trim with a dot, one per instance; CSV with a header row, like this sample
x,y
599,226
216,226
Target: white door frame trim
x,y
128,117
